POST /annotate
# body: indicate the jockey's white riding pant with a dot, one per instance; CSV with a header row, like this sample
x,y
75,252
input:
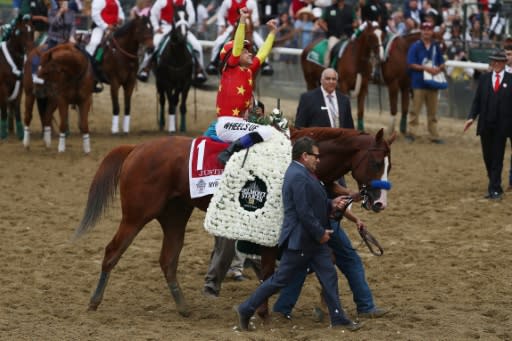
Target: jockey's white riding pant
x,y
221,39
96,35
191,39
229,129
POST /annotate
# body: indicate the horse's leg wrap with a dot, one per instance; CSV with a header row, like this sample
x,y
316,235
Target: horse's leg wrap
x,y
97,297
403,123
26,137
86,143
177,294
172,123
47,136
3,129
62,143
19,129
360,124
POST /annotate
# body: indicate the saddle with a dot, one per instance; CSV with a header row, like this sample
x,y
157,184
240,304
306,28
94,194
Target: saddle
x,y
317,53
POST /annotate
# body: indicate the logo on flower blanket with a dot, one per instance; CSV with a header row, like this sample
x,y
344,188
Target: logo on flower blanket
x,y
247,204
253,195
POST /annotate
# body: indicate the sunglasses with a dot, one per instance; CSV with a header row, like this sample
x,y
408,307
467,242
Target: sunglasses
x,y
317,156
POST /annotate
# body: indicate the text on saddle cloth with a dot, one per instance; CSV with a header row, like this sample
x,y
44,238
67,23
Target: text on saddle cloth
x,y
205,171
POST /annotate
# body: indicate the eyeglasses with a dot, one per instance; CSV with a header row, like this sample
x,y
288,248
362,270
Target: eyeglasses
x,y
332,79
317,156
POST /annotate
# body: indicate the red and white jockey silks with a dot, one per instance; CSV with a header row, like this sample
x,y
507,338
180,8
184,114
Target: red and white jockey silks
x,y
228,12
227,16
162,12
162,18
104,13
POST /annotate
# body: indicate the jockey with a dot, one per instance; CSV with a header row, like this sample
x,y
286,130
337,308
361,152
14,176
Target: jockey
x,y
227,16
235,91
162,18
106,14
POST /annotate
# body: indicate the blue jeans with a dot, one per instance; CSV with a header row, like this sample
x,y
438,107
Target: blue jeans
x,y
349,263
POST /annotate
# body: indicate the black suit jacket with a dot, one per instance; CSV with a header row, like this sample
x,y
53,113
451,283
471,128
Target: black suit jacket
x,y
312,110
504,105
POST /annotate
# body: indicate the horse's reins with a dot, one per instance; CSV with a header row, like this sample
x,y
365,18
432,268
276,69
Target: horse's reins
x,y
123,51
366,236
14,70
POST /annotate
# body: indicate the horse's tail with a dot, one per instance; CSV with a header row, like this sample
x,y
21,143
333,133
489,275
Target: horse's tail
x,y
103,188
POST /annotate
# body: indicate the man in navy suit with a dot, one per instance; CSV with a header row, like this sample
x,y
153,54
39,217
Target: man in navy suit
x,y
311,113
324,106
304,235
491,104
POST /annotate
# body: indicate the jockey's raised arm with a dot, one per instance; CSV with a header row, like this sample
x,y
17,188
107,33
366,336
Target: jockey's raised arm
x,y
269,41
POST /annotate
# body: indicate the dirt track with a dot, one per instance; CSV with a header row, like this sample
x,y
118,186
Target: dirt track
x,y
445,273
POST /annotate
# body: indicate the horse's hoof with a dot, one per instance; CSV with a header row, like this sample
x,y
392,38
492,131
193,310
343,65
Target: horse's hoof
x,y
92,307
184,312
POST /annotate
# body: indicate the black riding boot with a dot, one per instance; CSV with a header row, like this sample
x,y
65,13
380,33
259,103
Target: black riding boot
x,y
244,142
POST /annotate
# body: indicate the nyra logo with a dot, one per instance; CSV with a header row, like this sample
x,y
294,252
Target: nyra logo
x,y
253,195
201,184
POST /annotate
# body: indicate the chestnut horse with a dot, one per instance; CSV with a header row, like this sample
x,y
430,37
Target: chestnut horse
x,y
353,66
395,75
120,61
153,184
17,40
69,79
173,72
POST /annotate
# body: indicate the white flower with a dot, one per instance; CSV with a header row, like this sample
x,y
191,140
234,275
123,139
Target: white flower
x,y
225,216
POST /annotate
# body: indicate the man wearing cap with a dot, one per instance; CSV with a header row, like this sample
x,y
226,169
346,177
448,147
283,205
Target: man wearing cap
x,y
491,104
424,56
233,99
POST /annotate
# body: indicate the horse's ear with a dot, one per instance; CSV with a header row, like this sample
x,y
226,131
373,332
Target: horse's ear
x,y
392,138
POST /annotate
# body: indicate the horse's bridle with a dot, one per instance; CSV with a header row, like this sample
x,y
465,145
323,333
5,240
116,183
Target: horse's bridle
x,y
367,155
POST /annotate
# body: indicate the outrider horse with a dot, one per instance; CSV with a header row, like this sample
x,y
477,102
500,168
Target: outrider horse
x,y
69,79
153,184
120,61
173,71
17,40
353,66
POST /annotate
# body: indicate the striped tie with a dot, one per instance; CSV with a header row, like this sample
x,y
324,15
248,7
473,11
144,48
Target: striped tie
x,y
332,111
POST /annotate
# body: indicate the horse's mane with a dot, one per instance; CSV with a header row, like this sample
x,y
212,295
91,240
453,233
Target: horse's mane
x,y
322,134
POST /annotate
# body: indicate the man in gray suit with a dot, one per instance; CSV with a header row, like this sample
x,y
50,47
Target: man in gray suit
x,y
303,237
324,106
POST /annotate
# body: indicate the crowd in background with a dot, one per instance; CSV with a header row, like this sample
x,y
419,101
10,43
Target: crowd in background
x,y
461,24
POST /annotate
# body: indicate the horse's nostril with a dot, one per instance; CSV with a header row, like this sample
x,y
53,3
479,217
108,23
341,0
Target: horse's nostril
x,y
377,207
